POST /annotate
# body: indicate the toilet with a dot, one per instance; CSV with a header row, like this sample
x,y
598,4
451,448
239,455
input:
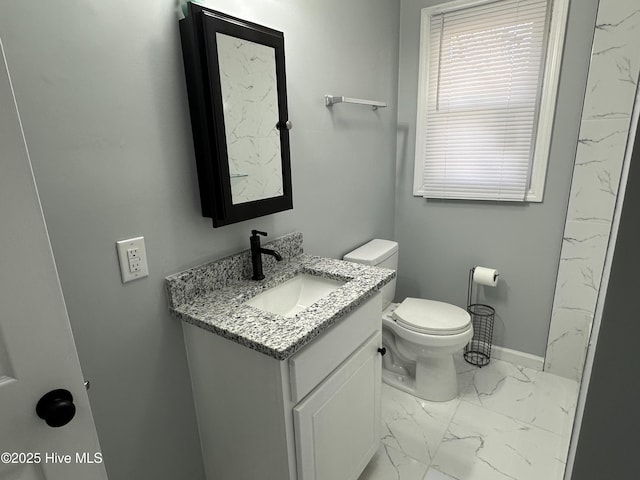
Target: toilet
x,y
420,335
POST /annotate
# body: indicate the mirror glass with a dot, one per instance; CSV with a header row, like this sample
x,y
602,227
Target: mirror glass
x,y
250,107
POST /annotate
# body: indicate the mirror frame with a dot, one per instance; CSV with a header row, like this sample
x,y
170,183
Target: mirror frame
x,y
200,53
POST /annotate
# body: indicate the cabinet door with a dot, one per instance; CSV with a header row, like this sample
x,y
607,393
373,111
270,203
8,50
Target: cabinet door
x,y
337,427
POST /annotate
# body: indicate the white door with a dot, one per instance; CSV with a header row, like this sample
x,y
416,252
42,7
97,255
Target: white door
x,y
37,352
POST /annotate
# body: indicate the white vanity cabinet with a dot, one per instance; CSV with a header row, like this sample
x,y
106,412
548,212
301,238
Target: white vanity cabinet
x,y
314,416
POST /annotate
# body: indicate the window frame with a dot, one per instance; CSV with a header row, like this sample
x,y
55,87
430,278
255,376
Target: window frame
x,y
548,96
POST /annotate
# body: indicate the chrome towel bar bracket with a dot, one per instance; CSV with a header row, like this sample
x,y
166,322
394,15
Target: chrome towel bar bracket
x,y
330,100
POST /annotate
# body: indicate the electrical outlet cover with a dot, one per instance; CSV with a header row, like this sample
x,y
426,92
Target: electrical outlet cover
x,y
126,271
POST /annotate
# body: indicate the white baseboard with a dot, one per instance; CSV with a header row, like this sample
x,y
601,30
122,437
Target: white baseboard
x,y
519,358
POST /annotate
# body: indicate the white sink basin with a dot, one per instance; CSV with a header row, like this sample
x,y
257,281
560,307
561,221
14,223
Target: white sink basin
x,y
293,296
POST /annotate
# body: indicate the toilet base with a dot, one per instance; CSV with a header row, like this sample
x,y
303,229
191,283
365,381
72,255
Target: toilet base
x,y
405,383
436,379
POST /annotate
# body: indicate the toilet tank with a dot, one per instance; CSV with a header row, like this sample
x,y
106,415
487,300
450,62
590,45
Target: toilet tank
x,y
380,253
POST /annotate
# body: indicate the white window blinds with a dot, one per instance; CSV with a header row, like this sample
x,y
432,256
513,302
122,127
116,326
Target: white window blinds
x,y
482,79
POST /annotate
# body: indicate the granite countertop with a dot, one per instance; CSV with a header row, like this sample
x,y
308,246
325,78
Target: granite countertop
x,y
212,297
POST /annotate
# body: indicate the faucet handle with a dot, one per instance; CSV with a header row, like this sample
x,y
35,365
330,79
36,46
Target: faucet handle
x,y
255,233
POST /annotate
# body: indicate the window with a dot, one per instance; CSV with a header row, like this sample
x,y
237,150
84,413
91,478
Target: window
x,y
489,73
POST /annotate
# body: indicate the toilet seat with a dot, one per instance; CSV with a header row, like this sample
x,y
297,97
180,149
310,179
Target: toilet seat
x,y
431,317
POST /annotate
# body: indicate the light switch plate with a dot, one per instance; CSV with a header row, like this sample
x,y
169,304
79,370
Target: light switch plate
x,y
132,257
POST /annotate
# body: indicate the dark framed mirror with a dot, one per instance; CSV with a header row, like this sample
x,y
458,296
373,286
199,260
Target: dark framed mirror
x,y
236,85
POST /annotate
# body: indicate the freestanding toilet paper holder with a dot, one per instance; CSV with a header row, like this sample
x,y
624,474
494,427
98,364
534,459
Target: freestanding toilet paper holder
x,y
478,350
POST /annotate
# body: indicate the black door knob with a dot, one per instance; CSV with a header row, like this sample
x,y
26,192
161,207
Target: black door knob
x,y
56,408
382,351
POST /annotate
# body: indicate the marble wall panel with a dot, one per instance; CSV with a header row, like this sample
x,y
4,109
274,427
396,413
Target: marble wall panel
x,y
613,72
597,169
604,133
584,247
567,344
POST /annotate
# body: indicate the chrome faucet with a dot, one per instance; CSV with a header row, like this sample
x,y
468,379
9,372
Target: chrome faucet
x,y
256,254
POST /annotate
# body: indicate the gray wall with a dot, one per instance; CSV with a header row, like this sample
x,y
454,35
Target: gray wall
x,y
101,90
609,431
441,240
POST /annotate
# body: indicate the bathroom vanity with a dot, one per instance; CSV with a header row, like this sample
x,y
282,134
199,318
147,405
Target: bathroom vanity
x,y
280,392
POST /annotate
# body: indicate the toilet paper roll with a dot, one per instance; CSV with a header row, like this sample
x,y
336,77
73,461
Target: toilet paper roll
x,y
486,276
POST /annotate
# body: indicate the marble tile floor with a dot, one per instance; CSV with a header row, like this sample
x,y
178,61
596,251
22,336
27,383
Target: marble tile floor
x,y
510,422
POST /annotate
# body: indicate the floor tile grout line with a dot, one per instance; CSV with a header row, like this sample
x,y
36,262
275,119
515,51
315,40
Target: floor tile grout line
x,y
435,453
534,383
439,471
513,417
516,419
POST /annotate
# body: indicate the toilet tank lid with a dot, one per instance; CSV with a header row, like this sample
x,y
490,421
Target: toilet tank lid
x,y
373,252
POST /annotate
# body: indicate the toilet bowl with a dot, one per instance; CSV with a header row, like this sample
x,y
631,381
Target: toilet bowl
x,y
420,335
427,358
